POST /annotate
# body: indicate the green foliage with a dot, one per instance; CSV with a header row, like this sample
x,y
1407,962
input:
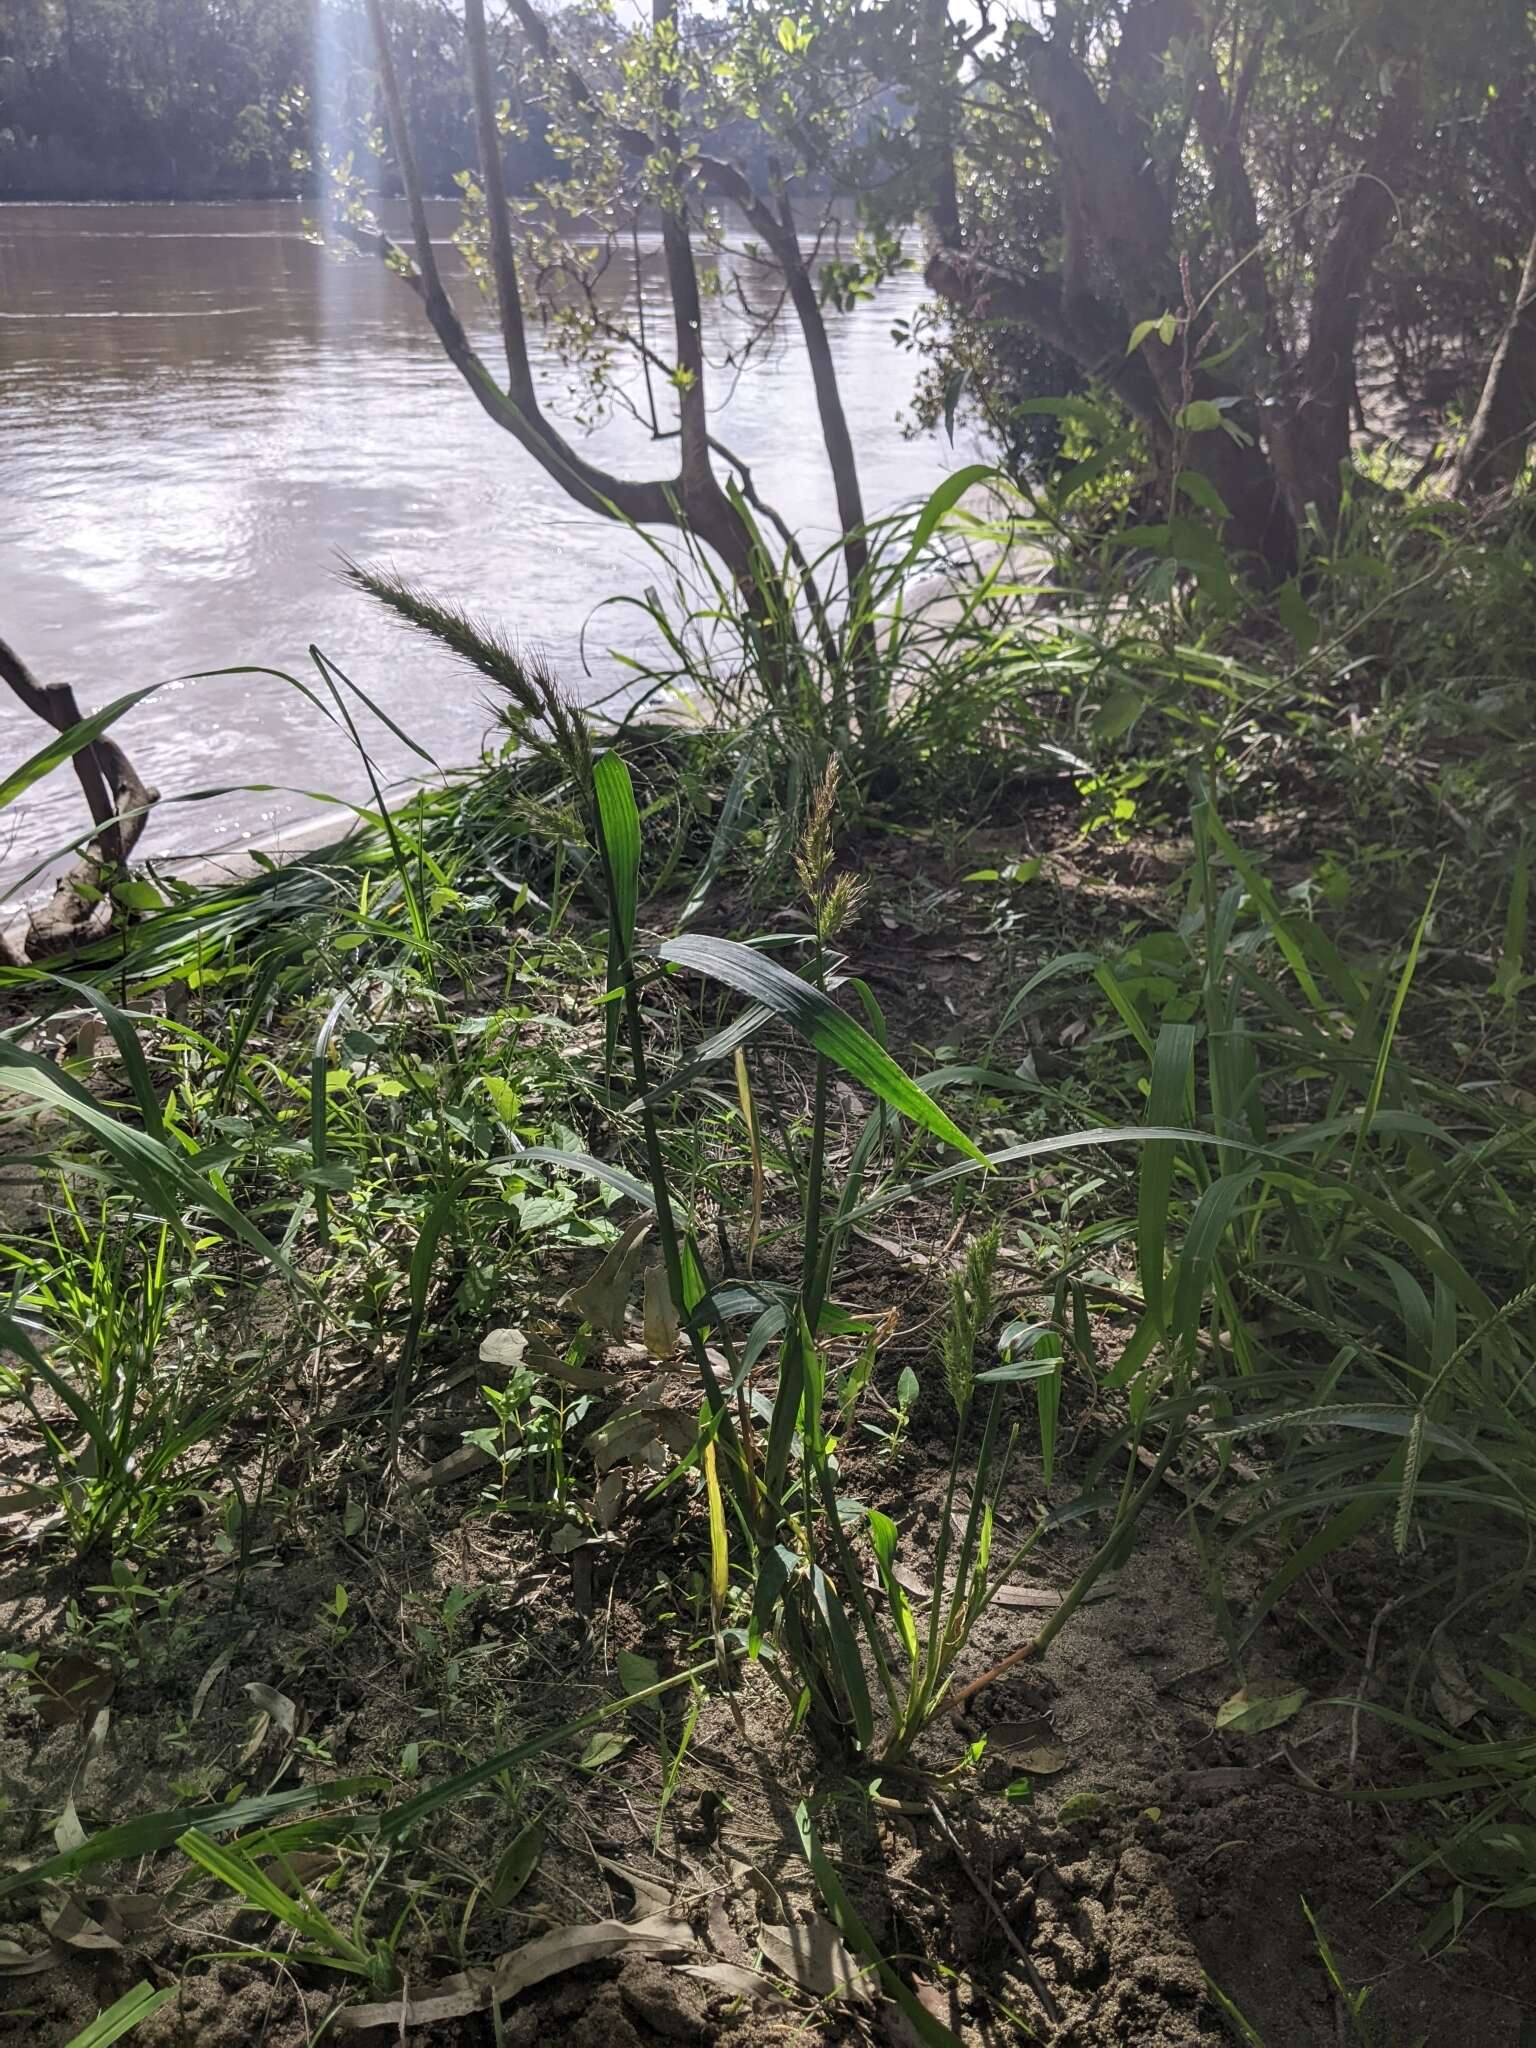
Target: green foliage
x,y
112,99
116,1413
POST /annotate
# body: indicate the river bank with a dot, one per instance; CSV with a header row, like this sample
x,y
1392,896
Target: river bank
x,y
1116,1851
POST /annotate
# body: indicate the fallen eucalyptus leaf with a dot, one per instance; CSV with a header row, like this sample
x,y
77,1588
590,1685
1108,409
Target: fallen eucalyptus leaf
x,y
460,1464
1450,1688
1254,1708
608,1499
210,1678
603,1296
732,1978
651,1899
1029,1747
277,1706
563,1948
72,1926
15,1961
662,1327
67,1831
811,1953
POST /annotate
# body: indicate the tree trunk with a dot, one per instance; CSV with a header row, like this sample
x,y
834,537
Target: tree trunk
x,y
119,805
1310,441
1502,426
685,499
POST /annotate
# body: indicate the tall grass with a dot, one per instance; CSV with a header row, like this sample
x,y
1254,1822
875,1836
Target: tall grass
x,y
392,1081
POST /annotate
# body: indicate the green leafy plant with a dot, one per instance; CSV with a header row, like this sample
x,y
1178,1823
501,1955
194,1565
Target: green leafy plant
x,y
93,1364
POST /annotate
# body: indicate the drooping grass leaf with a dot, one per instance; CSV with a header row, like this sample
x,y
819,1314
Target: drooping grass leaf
x,y
129,1051
167,1180
821,1023
65,745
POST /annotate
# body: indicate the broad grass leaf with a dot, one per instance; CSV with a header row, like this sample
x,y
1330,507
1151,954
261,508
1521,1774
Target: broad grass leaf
x,y
821,1023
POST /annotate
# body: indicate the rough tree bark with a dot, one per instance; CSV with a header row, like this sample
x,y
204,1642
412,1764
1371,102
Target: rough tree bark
x,y
1310,436
119,805
1505,421
1119,266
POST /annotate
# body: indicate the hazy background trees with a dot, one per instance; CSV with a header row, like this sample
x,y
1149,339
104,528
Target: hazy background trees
x,y
211,99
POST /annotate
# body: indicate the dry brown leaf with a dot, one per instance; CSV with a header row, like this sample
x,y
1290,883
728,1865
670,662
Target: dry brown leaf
x,y
1031,1597
96,1735
69,1688
563,1948
1450,1688
132,1913
608,1499
75,1928
770,1901
662,1328
278,1708
460,1464
603,1296
651,1899
811,1954
15,1961
582,1379
67,1831
731,1977
1029,1746
208,1680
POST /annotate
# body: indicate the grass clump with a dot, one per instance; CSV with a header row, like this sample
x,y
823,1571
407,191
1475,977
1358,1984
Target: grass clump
x,y
1213,1188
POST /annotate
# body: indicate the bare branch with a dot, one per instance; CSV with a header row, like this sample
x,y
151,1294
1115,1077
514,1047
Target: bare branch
x,y
119,804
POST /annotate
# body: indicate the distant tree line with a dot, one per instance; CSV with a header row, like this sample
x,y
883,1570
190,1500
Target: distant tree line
x,y
215,99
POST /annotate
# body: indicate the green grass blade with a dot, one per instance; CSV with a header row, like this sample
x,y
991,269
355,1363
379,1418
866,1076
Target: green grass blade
x,y
858,1937
153,1831
1511,968
1389,1030
245,1879
618,823
845,1651
1268,904
67,744
319,1122
1172,1068
123,2016
819,1021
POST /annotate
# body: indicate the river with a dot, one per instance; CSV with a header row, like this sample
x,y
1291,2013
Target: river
x,y
200,412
